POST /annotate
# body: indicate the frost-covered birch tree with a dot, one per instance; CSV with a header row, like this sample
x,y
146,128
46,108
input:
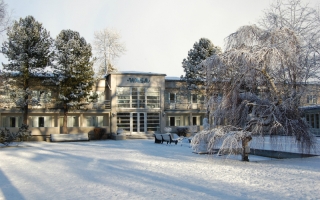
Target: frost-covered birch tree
x,y
73,70
28,49
107,46
262,74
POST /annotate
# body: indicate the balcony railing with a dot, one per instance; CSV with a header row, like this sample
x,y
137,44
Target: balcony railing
x,y
183,106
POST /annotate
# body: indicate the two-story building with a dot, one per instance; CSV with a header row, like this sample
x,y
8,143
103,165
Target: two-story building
x,y
139,103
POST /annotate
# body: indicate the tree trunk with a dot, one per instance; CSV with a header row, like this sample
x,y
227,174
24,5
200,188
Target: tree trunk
x,y
246,148
25,114
65,119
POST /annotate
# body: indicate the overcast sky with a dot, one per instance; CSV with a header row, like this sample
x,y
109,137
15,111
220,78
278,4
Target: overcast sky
x,y
158,34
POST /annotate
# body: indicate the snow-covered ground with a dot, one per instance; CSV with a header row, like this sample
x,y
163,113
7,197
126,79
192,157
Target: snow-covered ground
x,y
141,169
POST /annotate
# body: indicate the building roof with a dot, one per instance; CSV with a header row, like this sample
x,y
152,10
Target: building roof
x,y
138,73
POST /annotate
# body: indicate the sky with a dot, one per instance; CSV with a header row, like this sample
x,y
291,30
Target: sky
x,y
157,34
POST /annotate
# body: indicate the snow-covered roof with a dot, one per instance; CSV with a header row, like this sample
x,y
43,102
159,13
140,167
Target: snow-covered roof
x,y
173,78
139,72
310,107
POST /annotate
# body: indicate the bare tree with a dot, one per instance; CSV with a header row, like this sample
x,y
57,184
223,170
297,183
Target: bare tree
x,y
107,46
5,20
305,22
262,76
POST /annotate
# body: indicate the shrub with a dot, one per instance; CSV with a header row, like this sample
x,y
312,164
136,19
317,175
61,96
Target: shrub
x,y
182,131
98,133
7,137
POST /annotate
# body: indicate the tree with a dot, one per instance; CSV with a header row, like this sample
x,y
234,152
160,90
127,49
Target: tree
x,y
261,73
73,71
28,50
195,74
107,46
305,22
5,20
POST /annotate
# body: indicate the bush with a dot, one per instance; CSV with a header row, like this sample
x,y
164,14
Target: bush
x,y
182,131
7,137
98,133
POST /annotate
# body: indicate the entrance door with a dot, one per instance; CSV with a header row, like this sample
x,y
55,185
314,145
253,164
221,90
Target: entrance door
x,y
138,123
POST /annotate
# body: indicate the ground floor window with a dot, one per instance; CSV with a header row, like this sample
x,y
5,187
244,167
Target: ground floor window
x,y
138,122
72,121
45,121
313,120
11,121
96,121
174,121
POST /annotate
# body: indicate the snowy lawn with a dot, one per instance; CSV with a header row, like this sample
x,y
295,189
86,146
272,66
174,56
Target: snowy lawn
x,y
141,169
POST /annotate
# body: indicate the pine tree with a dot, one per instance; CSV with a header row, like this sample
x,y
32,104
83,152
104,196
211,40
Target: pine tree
x,y
28,50
73,70
195,75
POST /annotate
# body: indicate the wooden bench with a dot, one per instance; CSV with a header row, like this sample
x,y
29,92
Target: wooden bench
x,y
69,137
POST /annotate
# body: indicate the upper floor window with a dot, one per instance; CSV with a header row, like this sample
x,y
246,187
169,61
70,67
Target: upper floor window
x,y
172,97
195,98
138,97
311,99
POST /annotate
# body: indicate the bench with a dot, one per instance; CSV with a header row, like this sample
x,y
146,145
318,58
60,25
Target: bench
x,y
158,138
69,137
167,137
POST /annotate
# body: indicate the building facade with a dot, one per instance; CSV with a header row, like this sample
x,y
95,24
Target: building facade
x,y
136,103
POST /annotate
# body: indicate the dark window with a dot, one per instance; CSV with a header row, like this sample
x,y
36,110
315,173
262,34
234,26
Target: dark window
x,y
41,122
12,122
172,121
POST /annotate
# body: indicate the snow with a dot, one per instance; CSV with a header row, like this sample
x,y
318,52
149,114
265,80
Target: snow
x,y
141,169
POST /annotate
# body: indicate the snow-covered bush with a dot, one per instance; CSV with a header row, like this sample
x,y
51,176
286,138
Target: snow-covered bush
x,y
7,137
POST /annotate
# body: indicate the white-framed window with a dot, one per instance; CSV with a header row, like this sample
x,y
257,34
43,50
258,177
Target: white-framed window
x,y
96,121
72,121
172,97
174,121
138,97
311,99
43,121
11,121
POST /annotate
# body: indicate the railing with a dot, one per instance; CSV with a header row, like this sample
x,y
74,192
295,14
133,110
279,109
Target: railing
x,y
183,106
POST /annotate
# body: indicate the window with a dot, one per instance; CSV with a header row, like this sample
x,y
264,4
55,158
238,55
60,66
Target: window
x,y
174,121
194,120
123,121
96,121
138,97
153,121
311,99
41,122
313,120
72,121
172,97
11,121
45,121
194,98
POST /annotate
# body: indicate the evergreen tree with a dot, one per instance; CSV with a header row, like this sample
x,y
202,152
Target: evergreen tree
x,y
28,50
73,70
195,74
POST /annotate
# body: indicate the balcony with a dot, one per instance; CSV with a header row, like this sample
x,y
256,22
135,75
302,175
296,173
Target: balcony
x,y
183,106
